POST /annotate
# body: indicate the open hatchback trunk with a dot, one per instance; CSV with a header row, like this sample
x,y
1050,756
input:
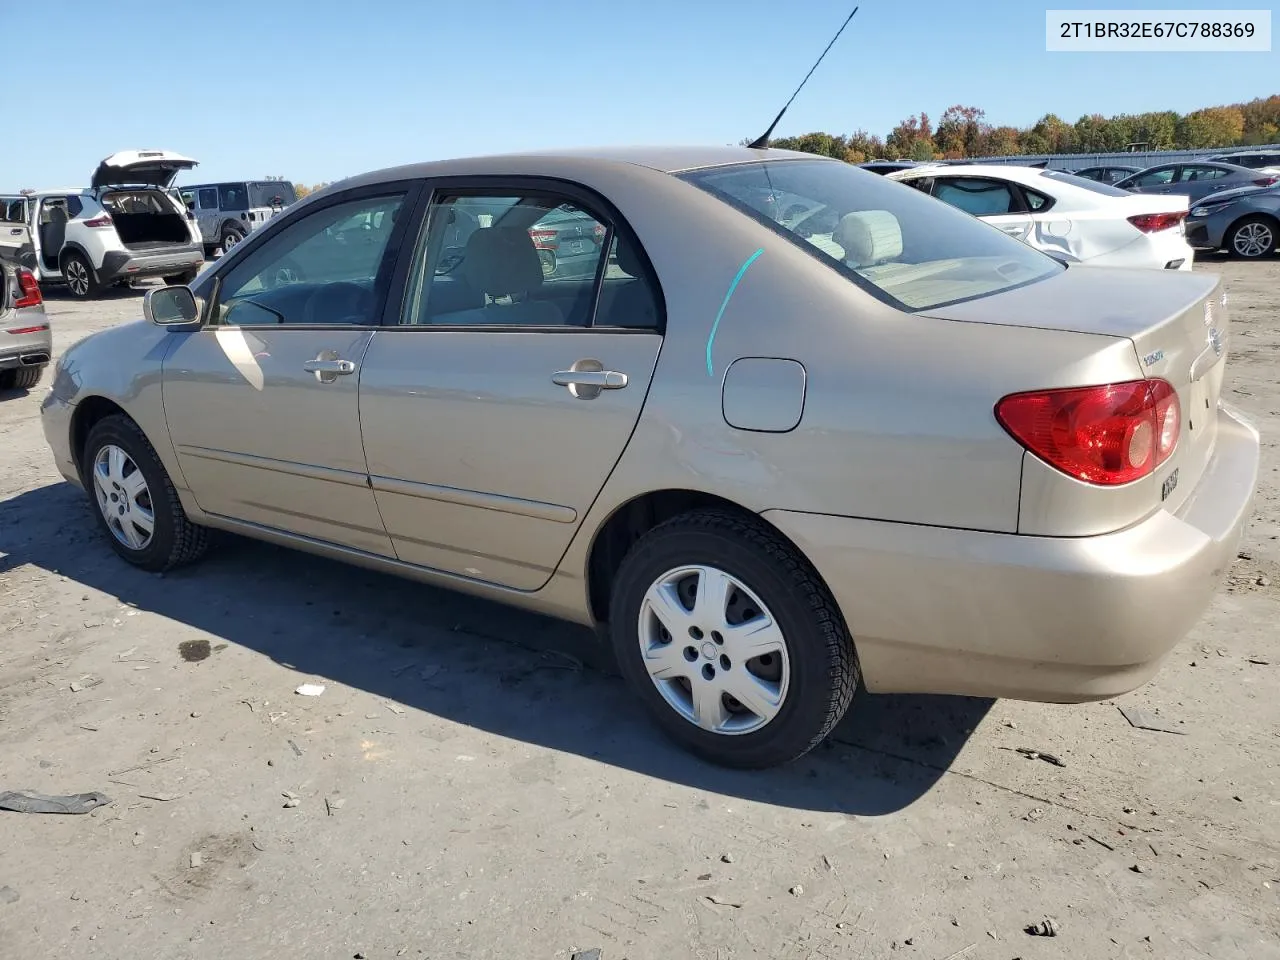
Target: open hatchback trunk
x,y
133,187
141,168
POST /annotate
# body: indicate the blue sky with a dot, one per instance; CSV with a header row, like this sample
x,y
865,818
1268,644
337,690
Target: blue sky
x,y
317,89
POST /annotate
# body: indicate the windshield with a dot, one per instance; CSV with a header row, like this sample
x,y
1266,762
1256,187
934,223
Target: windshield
x,y
900,245
1084,183
264,193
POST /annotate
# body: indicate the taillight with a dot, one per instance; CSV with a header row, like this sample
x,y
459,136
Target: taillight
x,y
1105,435
545,239
1265,181
102,221
29,288
600,230
1155,222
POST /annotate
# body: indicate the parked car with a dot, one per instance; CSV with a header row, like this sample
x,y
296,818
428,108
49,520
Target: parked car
x,y
568,241
911,452
883,167
1064,215
1244,222
1267,161
1194,180
125,227
26,343
1107,173
228,212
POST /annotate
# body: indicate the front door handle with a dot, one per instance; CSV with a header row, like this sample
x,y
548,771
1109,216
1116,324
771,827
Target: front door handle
x,y
16,231
328,370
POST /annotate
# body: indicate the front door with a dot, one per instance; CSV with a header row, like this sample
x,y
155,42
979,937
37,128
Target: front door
x,y
263,403
208,215
497,403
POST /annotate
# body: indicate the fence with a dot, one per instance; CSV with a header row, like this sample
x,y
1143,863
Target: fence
x,y
1148,158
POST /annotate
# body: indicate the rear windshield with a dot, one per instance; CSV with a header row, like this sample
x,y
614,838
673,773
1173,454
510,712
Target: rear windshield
x,y
900,245
1084,183
264,194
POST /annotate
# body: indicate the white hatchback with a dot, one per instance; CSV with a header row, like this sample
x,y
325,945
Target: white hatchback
x,y
1070,217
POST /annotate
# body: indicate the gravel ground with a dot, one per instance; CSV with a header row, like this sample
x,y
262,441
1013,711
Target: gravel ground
x,y
475,782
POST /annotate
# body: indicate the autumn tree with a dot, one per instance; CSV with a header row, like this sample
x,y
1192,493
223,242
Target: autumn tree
x,y
912,138
1211,127
960,132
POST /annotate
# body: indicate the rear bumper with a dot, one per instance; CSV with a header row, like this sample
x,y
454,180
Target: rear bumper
x,y
1167,250
1060,620
120,264
27,349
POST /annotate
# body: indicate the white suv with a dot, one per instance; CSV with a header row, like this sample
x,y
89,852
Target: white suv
x,y
124,227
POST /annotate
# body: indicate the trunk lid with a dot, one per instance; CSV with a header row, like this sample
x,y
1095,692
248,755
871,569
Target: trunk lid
x,y
133,168
1177,322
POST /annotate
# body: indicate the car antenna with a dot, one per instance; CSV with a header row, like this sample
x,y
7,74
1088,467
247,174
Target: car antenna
x,y
762,143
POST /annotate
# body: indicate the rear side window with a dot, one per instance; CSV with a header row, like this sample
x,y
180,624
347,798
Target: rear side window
x,y
977,196
209,198
1194,173
897,244
1084,183
233,196
526,259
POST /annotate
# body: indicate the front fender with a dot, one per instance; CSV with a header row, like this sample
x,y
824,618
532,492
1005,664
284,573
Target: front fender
x,y
121,366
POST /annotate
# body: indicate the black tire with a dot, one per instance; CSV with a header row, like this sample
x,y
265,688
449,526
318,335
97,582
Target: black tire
x,y
21,378
824,666
230,236
175,540
181,279
1260,227
80,277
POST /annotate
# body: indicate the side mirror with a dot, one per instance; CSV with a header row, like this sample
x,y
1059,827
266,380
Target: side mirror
x,y
172,307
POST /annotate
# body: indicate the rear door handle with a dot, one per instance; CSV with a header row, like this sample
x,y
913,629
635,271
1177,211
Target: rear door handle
x,y
16,231
602,379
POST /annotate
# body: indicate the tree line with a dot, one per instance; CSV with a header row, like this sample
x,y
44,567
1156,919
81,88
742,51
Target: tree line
x,y
964,132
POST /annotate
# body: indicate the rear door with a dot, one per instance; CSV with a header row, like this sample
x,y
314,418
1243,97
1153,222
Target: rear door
x,y
15,234
496,402
1198,180
998,202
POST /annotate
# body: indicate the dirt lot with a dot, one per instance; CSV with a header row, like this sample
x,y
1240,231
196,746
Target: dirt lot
x,y
466,787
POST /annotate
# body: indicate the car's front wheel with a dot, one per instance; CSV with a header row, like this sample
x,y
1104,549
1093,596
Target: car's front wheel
x,y
1252,238
134,499
732,640
78,272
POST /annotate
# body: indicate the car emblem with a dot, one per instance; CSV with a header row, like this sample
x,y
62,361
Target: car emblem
x,y
1215,340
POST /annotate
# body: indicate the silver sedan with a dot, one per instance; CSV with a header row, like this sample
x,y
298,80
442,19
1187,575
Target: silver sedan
x,y
854,439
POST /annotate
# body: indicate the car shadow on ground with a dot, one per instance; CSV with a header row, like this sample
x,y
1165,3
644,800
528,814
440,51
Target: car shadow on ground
x,y
512,674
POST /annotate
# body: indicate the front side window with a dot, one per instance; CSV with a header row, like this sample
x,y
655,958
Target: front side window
x,y
525,259
322,269
903,247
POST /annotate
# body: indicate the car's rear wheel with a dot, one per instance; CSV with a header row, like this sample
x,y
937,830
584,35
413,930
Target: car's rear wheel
x,y
134,499
180,279
22,378
231,235
1252,238
732,640
78,272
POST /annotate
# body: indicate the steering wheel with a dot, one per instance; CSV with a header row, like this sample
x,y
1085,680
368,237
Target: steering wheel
x,y
285,272
341,302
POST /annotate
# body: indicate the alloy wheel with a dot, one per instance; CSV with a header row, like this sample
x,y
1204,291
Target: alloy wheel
x,y
77,276
123,497
714,652
1253,240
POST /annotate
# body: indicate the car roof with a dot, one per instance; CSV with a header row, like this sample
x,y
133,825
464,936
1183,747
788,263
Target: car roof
x,y
1009,171
664,159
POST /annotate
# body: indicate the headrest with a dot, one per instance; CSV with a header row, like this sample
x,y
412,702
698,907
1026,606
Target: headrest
x,y
629,258
502,260
869,236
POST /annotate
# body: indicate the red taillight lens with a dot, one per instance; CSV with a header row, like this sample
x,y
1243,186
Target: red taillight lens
x,y
545,239
1155,222
1265,181
1105,435
600,230
102,221
29,288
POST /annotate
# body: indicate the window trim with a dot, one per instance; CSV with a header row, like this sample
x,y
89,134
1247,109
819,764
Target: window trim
x,y
383,288
499,185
